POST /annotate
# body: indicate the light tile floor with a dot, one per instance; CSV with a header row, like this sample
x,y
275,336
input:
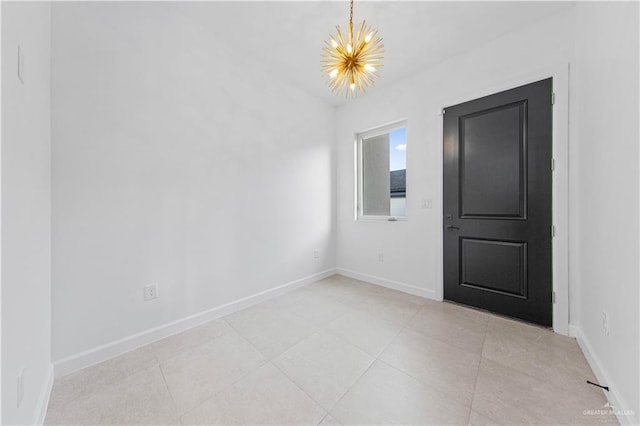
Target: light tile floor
x,y
341,351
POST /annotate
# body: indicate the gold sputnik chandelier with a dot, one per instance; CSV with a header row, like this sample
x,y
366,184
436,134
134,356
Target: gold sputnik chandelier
x,y
351,64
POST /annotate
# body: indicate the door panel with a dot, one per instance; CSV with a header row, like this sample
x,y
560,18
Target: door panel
x,y
492,163
497,203
498,266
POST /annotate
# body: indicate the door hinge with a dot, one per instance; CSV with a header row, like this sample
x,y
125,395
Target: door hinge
x,y
553,231
553,297
553,164
553,98
443,111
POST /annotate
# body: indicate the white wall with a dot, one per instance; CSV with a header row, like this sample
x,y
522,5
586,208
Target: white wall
x,y
602,50
606,130
179,162
26,212
412,248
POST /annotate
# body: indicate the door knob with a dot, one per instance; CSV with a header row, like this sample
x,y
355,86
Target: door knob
x,y
451,228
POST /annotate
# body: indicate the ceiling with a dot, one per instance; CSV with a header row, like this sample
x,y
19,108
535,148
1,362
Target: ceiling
x,y
286,37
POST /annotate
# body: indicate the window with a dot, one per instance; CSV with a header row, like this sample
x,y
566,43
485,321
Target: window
x,y
382,172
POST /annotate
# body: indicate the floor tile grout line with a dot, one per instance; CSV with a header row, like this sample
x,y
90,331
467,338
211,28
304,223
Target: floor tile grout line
x,y
374,359
348,308
322,419
250,344
400,330
224,389
406,328
229,385
475,382
355,310
238,332
188,348
317,327
365,351
166,385
528,374
527,350
439,340
357,379
323,328
302,390
349,388
344,342
445,395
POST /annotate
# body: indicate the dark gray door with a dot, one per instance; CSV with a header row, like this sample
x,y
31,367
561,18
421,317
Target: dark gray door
x,y
497,203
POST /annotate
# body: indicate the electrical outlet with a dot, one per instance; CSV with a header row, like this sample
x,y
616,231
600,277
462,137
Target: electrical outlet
x,y
605,323
150,292
20,388
316,254
380,257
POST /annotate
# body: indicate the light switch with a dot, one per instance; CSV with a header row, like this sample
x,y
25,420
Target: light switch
x,y
20,64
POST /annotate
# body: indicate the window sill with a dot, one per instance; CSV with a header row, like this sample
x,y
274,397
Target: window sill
x,y
383,218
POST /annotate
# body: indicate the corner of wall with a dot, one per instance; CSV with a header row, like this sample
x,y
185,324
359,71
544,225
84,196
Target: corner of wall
x,y
621,407
43,401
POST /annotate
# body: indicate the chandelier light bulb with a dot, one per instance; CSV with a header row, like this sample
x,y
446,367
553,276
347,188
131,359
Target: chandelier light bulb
x,y
352,59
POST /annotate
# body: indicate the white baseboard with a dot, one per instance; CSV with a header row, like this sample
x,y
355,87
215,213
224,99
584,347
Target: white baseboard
x,y
621,407
43,401
110,350
395,285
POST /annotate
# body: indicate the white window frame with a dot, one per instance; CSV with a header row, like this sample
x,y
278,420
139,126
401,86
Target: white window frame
x,y
359,169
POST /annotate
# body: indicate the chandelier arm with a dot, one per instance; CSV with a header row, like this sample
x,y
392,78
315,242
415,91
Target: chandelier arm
x,y
351,61
351,22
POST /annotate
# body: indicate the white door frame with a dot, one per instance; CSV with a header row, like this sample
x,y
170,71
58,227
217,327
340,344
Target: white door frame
x,y
560,180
